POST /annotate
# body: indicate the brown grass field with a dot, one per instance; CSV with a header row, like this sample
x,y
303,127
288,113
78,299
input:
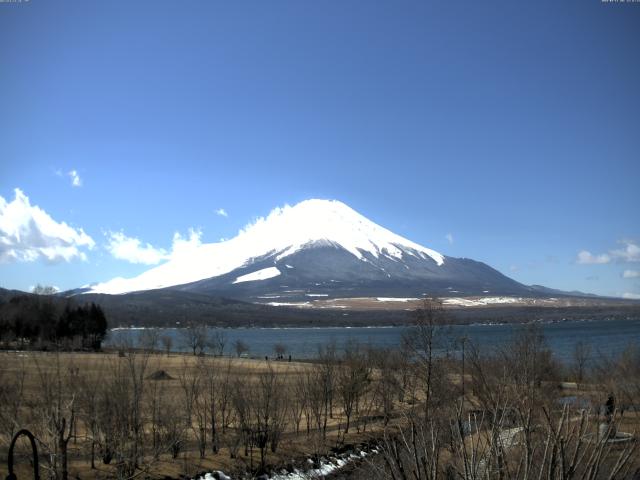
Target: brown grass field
x,y
293,449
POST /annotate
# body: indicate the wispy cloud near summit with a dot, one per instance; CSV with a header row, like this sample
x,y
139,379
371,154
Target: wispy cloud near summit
x,y
133,250
449,237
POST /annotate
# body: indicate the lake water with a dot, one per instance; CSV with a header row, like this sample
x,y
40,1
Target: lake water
x,y
604,336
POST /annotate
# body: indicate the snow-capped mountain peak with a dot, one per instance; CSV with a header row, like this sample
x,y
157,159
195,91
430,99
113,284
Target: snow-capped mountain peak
x,y
288,229
282,233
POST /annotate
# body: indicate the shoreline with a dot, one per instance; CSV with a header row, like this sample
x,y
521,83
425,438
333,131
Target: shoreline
x,y
540,321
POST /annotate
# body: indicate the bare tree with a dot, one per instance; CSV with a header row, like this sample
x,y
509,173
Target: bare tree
x,y
298,401
12,398
194,337
202,407
581,355
58,407
386,386
90,387
261,409
328,360
44,290
217,341
212,385
121,421
422,342
270,410
148,339
317,389
353,378
223,396
137,367
240,347
240,398
190,385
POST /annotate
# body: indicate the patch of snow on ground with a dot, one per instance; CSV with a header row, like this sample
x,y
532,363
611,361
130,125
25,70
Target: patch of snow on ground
x,y
463,302
220,475
326,467
394,299
292,304
489,300
263,274
475,302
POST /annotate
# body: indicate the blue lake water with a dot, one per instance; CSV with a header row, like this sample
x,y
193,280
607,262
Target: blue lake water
x,y
604,336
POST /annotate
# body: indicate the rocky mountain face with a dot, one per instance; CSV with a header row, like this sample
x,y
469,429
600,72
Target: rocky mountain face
x,y
329,271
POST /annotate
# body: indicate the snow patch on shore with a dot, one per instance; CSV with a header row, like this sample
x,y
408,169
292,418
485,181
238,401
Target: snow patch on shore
x,y
395,299
475,302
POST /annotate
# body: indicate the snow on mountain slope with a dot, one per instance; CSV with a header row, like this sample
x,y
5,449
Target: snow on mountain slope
x,y
263,274
283,232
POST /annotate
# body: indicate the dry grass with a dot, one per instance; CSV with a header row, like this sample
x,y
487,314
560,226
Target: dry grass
x,y
294,447
35,365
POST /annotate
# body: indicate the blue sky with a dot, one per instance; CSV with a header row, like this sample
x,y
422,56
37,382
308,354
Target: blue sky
x,y
502,131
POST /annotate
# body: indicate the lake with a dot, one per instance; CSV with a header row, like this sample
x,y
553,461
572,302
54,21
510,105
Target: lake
x,y
604,336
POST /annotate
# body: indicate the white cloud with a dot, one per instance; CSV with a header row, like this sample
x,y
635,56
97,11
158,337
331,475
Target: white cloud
x,y
631,274
630,253
76,181
587,258
513,268
28,233
132,250
631,296
222,212
449,238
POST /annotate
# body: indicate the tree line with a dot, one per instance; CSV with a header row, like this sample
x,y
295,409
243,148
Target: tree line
x,y
43,321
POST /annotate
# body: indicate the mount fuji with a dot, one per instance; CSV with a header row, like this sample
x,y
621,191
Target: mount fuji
x,y
317,248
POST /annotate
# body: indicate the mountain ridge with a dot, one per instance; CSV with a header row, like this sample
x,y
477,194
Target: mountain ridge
x,y
318,248
284,232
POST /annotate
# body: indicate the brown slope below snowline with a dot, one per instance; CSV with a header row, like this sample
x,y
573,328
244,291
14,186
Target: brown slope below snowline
x,y
166,308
